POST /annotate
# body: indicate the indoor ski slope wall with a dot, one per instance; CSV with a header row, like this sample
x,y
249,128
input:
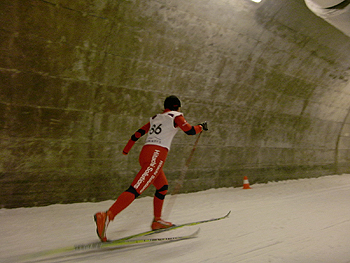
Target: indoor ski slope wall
x,y
77,78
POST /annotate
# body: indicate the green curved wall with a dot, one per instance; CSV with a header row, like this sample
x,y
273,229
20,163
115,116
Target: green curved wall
x,y
77,78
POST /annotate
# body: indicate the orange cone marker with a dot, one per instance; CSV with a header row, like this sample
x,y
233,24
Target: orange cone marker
x,y
246,183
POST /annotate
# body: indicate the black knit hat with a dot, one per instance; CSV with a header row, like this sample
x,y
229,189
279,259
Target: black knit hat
x,y
172,103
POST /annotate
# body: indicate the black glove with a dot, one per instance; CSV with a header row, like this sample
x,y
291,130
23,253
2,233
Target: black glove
x,y
204,125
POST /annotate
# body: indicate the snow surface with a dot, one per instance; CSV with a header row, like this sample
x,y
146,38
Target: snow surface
x,y
305,220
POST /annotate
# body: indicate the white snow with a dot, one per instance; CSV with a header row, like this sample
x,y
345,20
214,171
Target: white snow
x,y
306,220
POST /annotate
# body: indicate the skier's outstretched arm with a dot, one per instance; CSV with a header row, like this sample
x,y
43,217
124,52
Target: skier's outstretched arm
x,y
137,135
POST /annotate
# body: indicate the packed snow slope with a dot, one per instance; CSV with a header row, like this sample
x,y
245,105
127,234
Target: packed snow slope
x,y
306,220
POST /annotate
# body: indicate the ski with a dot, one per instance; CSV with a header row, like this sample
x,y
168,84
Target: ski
x,y
108,244
152,232
128,240
118,243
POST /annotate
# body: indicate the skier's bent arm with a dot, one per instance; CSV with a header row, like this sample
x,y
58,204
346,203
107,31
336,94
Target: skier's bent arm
x,y
186,127
137,135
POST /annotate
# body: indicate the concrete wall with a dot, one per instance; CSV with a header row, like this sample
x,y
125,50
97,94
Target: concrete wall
x,y
77,78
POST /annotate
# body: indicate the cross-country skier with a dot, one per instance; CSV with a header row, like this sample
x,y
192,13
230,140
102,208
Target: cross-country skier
x,y
161,130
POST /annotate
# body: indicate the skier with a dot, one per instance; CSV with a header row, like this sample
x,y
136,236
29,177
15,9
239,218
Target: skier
x,y
161,129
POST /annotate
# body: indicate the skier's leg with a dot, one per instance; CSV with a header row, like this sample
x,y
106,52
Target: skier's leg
x,y
151,159
122,202
161,184
102,219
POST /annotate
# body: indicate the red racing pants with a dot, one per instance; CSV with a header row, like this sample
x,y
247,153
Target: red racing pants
x,y
152,159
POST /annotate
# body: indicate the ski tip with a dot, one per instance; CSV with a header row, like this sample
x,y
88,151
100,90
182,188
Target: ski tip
x,y
194,234
197,232
225,216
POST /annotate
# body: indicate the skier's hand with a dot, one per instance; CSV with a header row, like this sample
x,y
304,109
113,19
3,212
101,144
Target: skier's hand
x,y
204,126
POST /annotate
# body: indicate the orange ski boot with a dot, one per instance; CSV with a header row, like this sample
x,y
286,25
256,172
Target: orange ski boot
x,y
160,224
102,221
